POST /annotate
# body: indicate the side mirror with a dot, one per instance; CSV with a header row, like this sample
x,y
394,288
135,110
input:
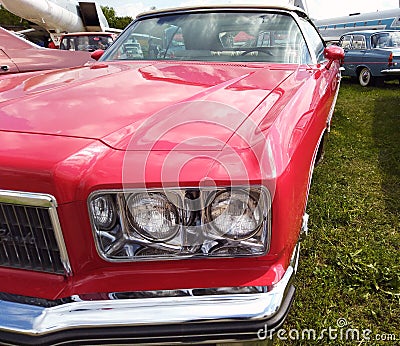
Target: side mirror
x,y
96,55
333,53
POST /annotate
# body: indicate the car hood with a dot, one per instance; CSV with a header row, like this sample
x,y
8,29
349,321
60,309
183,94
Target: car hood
x,y
139,105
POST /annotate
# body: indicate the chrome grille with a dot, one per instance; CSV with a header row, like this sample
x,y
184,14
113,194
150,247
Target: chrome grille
x,y
30,237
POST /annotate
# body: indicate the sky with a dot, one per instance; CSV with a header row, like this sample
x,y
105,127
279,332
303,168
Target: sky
x,y
318,9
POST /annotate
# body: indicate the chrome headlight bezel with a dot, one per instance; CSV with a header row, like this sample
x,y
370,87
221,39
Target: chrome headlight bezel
x,y
195,236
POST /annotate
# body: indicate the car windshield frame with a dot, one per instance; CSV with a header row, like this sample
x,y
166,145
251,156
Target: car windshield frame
x,y
266,35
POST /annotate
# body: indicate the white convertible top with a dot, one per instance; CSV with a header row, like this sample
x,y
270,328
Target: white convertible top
x,y
200,8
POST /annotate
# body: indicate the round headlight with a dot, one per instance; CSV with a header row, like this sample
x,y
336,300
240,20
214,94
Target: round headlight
x,y
235,214
153,216
103,211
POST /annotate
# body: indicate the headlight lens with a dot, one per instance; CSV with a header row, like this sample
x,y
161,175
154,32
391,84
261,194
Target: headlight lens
x,y
235,214
137,225
103,211
153,216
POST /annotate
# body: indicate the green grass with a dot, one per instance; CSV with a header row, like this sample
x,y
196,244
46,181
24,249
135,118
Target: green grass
x,y
350,262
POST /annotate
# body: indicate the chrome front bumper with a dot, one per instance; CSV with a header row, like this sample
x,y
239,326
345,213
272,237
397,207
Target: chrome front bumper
x,y
160,320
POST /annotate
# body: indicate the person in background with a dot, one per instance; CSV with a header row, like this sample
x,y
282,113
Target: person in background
x,y
51,44
100,44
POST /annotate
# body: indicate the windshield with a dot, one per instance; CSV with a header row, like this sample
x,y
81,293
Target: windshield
x,y
85,42
216,36
386,39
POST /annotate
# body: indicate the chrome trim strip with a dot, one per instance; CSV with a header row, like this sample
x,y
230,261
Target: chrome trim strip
x,y
44,201
60,241
330,115
36,321
394,71
27,198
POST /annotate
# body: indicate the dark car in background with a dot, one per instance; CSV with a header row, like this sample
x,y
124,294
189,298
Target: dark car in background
x,y
20,55
372,56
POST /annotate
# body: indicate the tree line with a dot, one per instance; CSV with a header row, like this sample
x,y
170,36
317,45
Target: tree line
x,y
9,19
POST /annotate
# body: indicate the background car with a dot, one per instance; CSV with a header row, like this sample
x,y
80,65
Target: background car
x,y
159,197
20,55
86,41
371,55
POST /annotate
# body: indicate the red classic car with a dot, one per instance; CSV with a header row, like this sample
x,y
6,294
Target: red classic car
x,y
158,195
20,55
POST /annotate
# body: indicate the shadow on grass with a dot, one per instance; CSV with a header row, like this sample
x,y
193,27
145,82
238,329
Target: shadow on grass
x,y
386,133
